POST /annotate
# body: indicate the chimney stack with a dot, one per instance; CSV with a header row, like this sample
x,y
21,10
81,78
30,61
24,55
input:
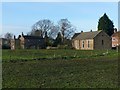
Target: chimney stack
x,y
22,34
14,37
115,30
81,31
91,30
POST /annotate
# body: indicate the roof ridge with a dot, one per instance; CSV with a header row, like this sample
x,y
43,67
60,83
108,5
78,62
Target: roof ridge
x,y
88,35
98,33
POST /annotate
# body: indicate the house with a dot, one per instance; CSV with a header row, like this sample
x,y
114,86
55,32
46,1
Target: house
x,y
32,42
28,42
115,39
93,40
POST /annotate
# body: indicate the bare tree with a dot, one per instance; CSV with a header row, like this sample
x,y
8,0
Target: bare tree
x,y
35,33
66,28
8,35
53,32
42,26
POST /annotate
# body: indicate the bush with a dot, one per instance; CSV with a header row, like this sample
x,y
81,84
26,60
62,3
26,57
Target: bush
x,y
64,47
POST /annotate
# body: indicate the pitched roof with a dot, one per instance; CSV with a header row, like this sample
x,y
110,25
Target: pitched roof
x,y
116,34
75,35
32,37
88,35
3,39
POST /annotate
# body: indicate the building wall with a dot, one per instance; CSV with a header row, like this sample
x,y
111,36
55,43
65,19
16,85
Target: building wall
x,y
34,43
102,42
115,41
86,44
31,43
22,41
17,44
12,44
76,44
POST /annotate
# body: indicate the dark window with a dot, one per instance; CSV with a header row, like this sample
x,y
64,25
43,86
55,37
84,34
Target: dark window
x,y
88,44
83,44
102,42
114,39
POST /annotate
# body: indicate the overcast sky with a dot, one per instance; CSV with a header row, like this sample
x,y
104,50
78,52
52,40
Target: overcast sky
x,y
20,16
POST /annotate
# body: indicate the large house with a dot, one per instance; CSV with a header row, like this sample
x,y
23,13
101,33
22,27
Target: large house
x,y
93,40
28,42
116,39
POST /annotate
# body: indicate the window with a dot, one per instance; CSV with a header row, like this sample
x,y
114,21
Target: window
x,y
83,44
113,39
102,42
88,43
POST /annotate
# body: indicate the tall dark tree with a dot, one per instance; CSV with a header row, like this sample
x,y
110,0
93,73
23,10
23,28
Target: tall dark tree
x,y
106,24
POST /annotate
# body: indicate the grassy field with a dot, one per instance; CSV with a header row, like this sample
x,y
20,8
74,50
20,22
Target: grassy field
x,y
60,69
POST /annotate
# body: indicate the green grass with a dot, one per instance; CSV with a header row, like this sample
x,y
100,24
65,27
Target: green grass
x,y
60,69
55,54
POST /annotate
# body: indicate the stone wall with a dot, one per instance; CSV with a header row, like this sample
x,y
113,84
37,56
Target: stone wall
x,y
86,44
102,42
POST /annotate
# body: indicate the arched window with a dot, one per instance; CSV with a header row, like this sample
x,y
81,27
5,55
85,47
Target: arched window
x,y
83,44
88,44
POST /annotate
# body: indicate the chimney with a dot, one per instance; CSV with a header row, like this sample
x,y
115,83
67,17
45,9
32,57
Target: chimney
x,y
19,36
14,37
115,30
91,30
81,31
22,34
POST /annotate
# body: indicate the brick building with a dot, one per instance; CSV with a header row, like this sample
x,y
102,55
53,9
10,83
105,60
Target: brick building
x,y
116,39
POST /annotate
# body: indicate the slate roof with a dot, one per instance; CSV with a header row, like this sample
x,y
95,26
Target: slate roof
x,y
32,37
75,35
87,35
